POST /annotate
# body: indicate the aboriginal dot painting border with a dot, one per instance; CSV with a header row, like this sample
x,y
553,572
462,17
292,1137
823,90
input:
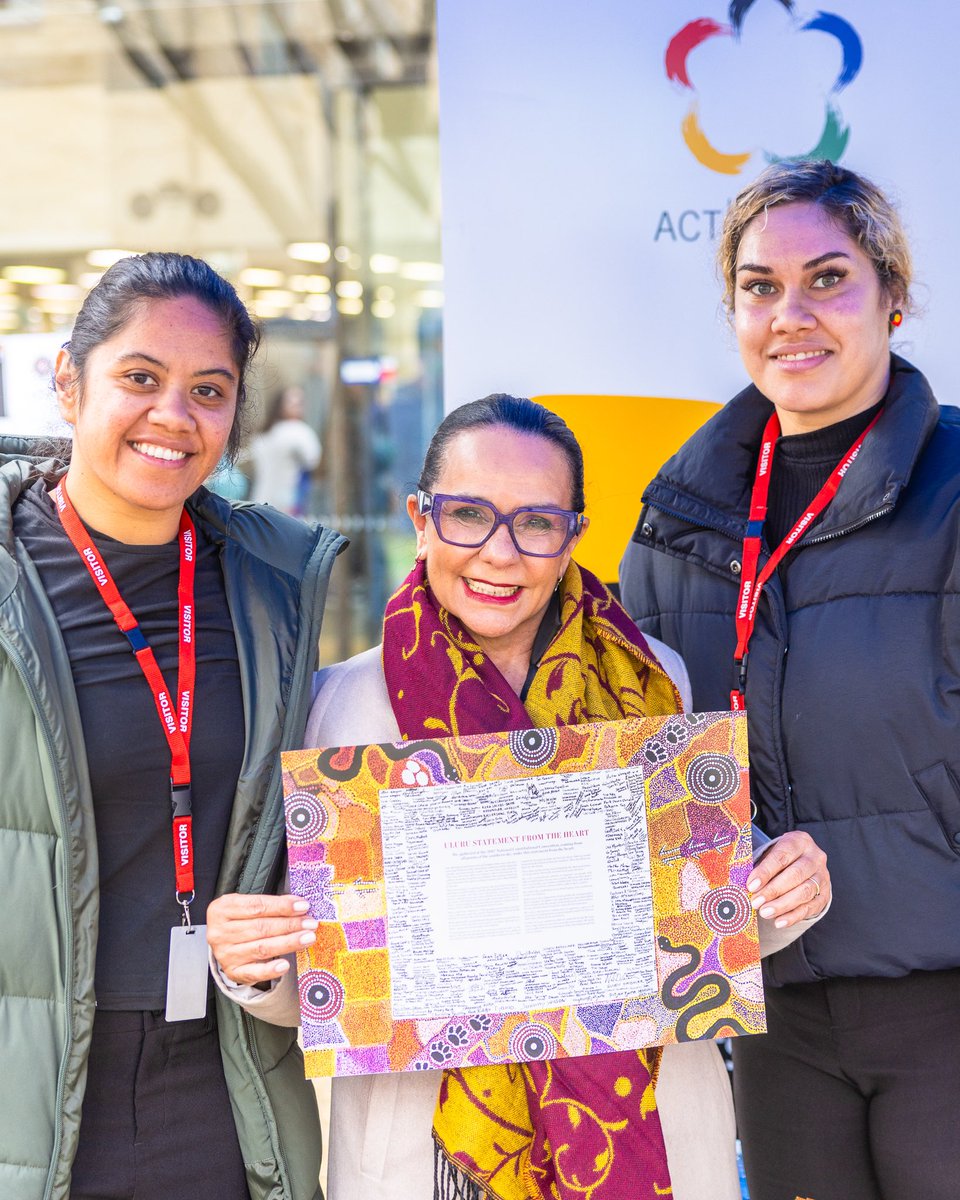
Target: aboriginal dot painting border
x,y
707,954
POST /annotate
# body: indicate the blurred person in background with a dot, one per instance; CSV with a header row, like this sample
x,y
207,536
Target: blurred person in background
x,y
284,454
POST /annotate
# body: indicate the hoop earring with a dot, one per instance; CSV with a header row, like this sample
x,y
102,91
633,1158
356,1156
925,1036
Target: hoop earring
x,y
896,318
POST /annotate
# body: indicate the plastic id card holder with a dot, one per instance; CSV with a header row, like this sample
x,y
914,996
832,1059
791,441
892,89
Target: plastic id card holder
x,y
188,973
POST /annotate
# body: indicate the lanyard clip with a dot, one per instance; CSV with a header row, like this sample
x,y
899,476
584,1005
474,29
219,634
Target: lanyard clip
x,y
134,636
185,900
181,799
738,697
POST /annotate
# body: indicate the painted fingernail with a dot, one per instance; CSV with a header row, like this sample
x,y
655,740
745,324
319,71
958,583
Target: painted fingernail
x,y
301,906
309,924
307,939
768,911
752,885
281,965
781,924
756,901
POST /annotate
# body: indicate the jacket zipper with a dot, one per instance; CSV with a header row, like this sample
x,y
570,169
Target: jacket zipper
x,y
826,537
21,668
672,512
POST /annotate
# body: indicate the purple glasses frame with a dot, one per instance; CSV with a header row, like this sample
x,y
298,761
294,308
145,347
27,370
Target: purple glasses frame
x,y
430,502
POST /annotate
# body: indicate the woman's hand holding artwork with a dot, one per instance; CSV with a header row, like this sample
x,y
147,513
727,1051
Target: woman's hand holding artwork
x,y
251,935
791,882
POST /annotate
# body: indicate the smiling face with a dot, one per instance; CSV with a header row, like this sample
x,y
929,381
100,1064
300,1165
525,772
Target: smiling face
x,y
811,317
499,594
151,418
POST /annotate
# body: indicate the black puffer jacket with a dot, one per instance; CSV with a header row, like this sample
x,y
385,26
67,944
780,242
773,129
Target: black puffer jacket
x,y
853,693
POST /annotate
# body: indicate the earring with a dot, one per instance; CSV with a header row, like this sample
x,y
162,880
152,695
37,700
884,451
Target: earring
x,y
896,318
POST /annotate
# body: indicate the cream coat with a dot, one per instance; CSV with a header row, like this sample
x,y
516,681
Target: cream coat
x,y
380,1129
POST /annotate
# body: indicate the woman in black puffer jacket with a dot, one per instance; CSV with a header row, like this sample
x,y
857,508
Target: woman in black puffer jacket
x,y
847,652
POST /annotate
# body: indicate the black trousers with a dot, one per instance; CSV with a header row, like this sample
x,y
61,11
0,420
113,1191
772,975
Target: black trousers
x,y
156,1121
854,1094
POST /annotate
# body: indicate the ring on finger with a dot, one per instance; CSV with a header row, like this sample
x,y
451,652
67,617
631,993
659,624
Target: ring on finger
x,y
813,880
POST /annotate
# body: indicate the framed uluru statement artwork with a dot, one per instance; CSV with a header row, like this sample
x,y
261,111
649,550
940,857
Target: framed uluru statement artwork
x,y
530,895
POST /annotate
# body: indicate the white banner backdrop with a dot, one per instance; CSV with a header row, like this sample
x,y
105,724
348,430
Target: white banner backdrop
x,y
588,151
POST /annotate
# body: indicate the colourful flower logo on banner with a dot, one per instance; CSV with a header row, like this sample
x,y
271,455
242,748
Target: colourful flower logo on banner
x,y
833,139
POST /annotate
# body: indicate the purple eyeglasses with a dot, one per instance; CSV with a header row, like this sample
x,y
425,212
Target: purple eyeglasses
x,y
538,531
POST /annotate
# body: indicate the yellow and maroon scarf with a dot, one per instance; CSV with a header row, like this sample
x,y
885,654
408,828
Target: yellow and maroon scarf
x,y
574,1128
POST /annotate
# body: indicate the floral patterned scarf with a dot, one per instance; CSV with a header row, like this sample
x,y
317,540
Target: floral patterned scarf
x,y
574,1128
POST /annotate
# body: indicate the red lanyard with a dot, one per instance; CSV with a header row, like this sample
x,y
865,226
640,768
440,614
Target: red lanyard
x,y
175,719
752,583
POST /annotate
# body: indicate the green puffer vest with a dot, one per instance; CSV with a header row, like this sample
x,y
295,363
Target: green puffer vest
x,y
276,572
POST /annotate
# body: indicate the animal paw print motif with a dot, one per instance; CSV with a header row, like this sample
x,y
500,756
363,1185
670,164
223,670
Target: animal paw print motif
x,y
656,752
675,733
441,1053
422,1066
413,774
480,1023
457,1035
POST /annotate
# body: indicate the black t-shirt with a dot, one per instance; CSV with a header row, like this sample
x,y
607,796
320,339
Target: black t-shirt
x,y
127,752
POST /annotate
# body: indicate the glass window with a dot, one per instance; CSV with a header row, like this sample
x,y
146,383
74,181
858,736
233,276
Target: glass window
x,y
293,144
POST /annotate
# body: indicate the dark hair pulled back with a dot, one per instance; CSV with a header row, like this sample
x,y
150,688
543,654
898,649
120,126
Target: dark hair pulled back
x,y
130,282
511,412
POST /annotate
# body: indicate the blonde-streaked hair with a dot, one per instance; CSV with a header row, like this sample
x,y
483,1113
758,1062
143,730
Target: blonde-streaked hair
x,y
852,201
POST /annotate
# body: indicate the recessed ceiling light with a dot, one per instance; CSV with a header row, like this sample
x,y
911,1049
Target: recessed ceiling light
x,y
422,272
318,252
384,264
27,273
261,277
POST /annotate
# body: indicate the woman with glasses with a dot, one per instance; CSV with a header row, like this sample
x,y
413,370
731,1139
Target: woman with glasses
x,y
497,628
